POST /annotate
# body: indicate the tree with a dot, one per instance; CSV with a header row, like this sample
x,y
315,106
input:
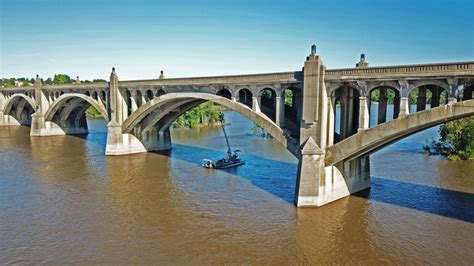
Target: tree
x,y
62,79
201,115
289,98
456,140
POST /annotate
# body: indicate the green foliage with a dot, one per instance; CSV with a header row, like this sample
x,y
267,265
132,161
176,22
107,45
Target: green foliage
x,y
456,140
57,80
267,94
289,98
375,96
201,115
259,131
48,81
62,79
91,112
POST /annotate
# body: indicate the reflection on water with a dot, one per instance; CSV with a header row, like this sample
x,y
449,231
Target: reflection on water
x,y
63,201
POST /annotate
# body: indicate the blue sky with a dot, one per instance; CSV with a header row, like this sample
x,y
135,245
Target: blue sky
x,y
195,38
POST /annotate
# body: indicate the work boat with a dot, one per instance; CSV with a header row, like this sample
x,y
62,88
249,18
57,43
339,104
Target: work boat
x,y
232,158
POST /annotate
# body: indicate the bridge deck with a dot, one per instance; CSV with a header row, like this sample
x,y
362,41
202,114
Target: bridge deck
x,y
417,71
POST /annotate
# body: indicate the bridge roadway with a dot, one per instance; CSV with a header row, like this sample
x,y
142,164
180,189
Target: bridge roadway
x,y
297,108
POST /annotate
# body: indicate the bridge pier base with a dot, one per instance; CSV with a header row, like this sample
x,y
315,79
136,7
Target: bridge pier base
x,y
121,144
42,128
8,120
318,184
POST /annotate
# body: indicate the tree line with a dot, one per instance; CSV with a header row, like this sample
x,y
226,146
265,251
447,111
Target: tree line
x,y
58,79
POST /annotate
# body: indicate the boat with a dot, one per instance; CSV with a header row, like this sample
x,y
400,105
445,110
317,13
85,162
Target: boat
x,y
232,159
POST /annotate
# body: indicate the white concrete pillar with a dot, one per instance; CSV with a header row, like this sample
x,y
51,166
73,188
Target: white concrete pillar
x,y
404,106
255,104
280,111
331,120
134,104
233,99
310,173
364,117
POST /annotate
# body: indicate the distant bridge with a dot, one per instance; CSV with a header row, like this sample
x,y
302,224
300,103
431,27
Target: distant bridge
x,y
297,108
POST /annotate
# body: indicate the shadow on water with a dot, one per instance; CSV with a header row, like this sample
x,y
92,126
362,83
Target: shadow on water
x,y
439,201
275,177
279,178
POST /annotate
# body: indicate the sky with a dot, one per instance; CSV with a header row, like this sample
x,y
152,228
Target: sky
x,y
203,38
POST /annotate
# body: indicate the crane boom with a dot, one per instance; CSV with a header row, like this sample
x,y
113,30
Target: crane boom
x,y
229,150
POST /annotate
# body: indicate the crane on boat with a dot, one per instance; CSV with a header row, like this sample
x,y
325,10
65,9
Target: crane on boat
x,y
232,159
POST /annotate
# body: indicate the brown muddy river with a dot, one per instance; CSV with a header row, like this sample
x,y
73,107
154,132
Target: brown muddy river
x,y
63,201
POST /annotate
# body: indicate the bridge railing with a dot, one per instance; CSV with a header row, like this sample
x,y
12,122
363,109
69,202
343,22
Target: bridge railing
x,y
283,77
96,85
448,68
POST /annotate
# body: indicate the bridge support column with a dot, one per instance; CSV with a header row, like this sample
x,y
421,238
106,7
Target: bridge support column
x,y
318,184
117,142
404,106
40,127
364,117
255,104
121,144
421,101
435,95
310,174
280,111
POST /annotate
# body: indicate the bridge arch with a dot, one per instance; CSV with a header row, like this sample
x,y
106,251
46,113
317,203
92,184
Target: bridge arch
x,y
245,96
16,97
20,107
160,92
375,138
161,110
417,84
386,95
224,93
346,97
267,101
290,97
432,93
60,102
149,95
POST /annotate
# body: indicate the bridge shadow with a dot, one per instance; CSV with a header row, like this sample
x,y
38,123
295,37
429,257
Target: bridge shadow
x,y
275,177
444,202
279,178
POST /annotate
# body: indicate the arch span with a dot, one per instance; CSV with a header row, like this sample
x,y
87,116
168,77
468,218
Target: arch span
x,y
61,100
382,135
18,109
14,97
167,102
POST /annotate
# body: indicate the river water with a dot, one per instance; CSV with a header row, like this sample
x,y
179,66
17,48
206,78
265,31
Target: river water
x,y
63,201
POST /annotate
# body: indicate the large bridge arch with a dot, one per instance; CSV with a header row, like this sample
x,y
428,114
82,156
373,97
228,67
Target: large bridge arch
x,y
373,139
66,115
19,108
64,98
145,116
15,97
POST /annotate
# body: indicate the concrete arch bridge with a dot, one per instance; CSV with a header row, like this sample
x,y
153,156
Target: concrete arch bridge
x,y
320,115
